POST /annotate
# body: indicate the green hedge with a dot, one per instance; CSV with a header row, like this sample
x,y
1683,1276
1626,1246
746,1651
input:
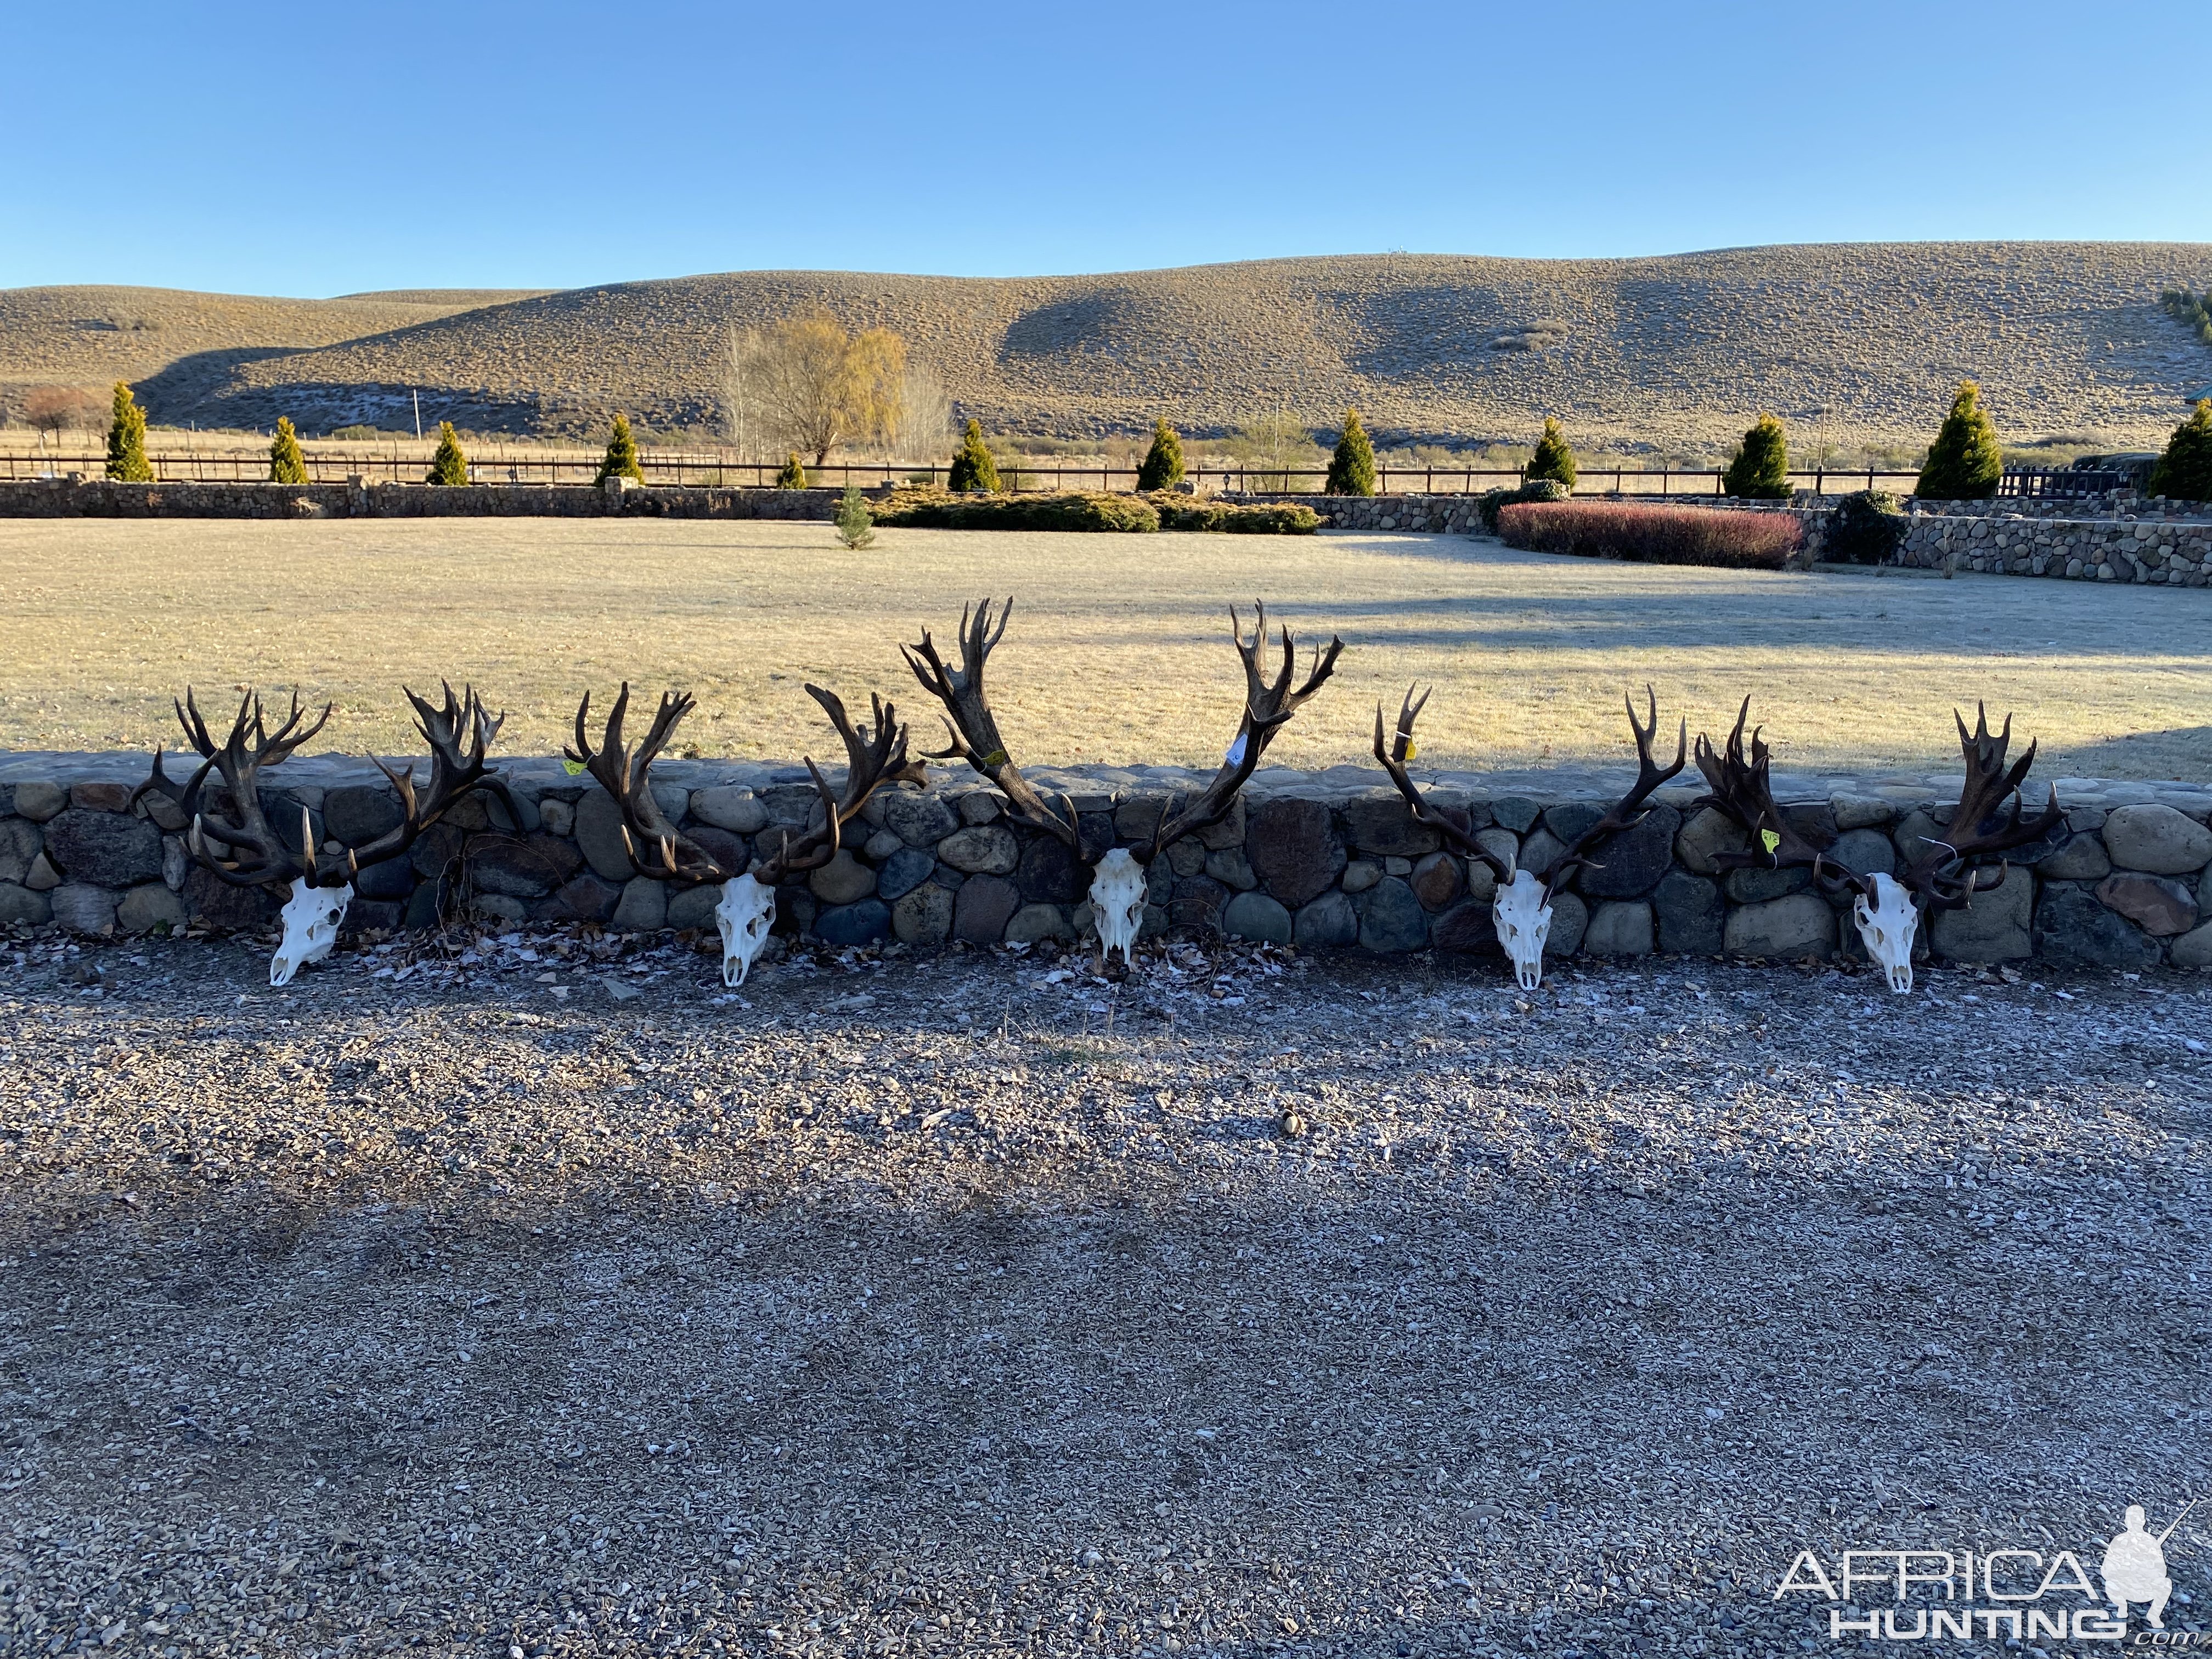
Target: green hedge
x,y
1235,518
937,509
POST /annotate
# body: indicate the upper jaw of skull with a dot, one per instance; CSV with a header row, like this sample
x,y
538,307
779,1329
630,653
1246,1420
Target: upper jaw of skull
x,y
1117,903
310,918
1522,911
744,915
1887,926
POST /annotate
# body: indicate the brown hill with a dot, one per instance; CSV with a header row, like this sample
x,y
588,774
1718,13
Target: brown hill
x,y
93,336
1671,352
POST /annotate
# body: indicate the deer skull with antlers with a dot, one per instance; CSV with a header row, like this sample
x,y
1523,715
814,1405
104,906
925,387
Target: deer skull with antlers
x,y
237,845
1520,910
874,758
1119,880
1945,876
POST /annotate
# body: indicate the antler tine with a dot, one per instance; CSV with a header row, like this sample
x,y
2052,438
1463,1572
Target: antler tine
x,y
1392,757
1738,787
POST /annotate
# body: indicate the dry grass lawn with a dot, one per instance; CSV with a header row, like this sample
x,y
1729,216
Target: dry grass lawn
x,y
1118,651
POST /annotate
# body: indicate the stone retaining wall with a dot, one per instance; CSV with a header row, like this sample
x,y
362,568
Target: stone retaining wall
x,y
2175,551
1328,860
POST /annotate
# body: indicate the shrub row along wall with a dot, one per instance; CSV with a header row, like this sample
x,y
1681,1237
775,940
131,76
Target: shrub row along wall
x,y
99,499
1326,860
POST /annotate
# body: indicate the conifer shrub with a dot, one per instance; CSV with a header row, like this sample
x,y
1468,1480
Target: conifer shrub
x,y
1163,463
1760,470
1554,458
855,528
1865,527
1964,462
621,459
2184,472
126,440
972,468
1081,510
1352,468
1726,539
449,466
286,465
793,474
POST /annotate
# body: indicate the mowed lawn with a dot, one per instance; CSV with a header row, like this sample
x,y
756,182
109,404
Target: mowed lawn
x,y
1118,650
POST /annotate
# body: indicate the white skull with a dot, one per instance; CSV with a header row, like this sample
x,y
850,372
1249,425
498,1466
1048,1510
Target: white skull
x,y
1117,903
1523,914
1887,926
311,919
744,915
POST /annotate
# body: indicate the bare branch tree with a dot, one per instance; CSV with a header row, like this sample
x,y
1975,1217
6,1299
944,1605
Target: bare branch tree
x,y
925,416
53,409
740,414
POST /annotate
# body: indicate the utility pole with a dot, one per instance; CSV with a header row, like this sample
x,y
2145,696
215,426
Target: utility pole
x,y
418,417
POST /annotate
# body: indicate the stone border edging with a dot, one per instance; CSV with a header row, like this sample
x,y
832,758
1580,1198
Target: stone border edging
x,y
1330,860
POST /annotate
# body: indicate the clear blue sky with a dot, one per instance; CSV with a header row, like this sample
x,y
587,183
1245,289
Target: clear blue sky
x,y
322,148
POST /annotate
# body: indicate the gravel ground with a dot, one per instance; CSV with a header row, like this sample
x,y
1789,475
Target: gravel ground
x,y
547,1298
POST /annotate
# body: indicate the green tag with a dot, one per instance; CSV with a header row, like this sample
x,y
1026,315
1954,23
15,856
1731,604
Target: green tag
x,y
574,768
1769,839
996,757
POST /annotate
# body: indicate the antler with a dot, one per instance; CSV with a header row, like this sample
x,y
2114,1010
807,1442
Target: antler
x,y
1442,819
241,848
872,759
1268,707
973,728
1630,810
1946,875
1740,788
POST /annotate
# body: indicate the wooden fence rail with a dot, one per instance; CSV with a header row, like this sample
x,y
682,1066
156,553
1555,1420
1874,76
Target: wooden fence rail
x,y
708,471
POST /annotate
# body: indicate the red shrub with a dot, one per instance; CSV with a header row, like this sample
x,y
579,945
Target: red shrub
x,y
1731,539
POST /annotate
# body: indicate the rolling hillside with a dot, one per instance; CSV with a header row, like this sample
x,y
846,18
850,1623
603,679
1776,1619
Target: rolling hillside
x,y
1672,352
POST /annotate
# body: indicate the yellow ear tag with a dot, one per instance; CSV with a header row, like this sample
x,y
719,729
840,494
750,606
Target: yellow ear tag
x,y
574,768
996,757
1769,839
1412,751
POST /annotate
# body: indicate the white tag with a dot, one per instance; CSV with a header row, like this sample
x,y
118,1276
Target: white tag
x,y
1236,755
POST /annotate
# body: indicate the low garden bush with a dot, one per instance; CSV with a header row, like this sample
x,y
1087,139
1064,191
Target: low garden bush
x,y
1726,539
1865,527
1536,489
938,509
1236,518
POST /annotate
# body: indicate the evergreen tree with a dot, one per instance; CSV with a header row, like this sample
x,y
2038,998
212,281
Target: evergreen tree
x,y
1554,458
1760,470
1963,464
1352,469
972,465
793,476
1163,467
449,466
621,459
287,465
2184,472
127,440
854,527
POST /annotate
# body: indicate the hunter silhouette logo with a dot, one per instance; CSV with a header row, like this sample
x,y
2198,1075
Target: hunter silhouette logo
x,y
1990,1594
2135,1566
